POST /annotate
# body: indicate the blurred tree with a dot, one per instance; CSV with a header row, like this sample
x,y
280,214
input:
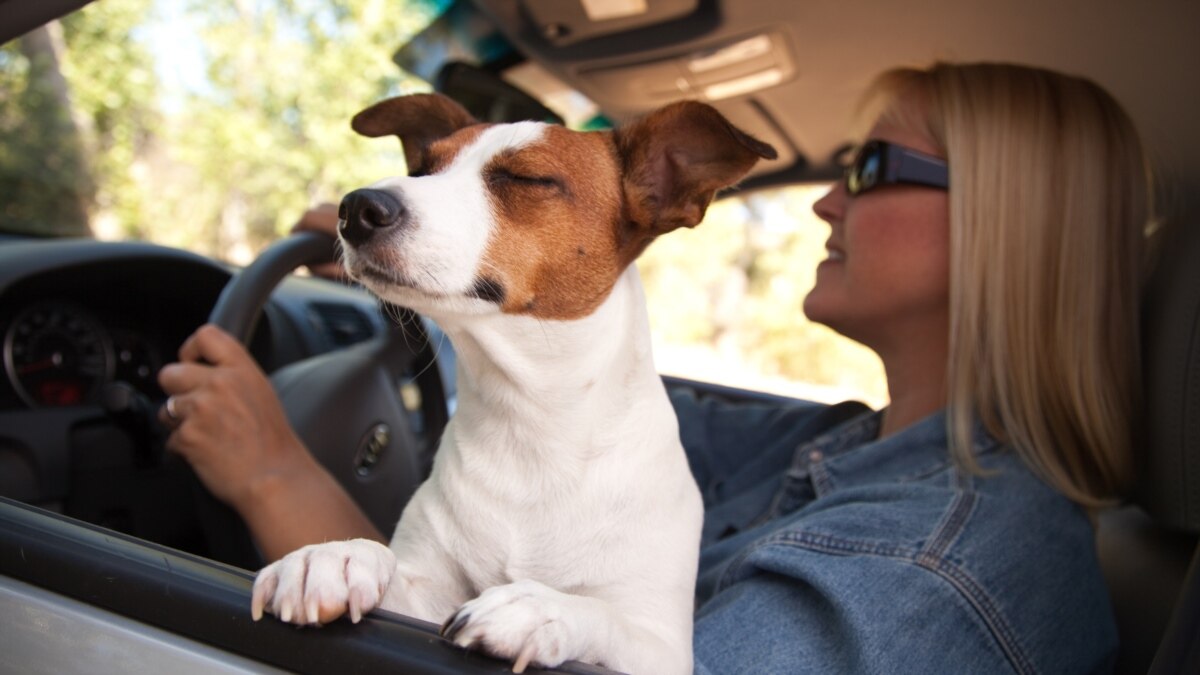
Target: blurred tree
x,y
46,186
76,98
115,90
89,131
269,135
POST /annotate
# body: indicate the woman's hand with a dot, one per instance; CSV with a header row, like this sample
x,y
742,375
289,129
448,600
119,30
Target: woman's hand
x,y
228,424
322,218
226,420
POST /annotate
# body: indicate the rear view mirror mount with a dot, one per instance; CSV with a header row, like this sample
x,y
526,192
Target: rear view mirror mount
x,y
488,97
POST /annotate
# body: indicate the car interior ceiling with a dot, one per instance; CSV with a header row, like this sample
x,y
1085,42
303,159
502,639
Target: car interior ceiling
x,y
825,54
1144,53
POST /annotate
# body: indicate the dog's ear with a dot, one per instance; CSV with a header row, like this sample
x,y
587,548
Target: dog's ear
x,y
676,158
418,119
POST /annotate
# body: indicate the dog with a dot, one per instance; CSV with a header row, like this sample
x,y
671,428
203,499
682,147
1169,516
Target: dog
x,y
560,520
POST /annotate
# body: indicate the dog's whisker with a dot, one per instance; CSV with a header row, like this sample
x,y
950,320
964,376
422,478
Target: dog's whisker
x,y
437,350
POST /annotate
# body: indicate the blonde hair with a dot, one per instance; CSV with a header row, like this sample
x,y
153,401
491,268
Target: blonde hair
x,y
1050,201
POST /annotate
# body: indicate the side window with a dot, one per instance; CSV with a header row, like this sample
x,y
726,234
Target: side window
x,y
726,302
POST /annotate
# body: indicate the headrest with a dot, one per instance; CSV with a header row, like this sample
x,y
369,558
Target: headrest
x,y
1168,447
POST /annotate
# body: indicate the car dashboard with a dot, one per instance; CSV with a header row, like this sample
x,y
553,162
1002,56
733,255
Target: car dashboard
x,y
82,321
69,332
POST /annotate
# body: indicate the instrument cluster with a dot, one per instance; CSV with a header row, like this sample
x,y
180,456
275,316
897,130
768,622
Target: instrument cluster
x,y
58,353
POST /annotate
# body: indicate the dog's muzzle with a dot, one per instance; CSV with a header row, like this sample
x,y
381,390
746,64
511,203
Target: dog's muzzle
x,y
364,212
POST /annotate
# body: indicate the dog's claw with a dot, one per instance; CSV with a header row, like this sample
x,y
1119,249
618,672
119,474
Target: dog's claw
x,y
524,658
356,603
453,625
312,612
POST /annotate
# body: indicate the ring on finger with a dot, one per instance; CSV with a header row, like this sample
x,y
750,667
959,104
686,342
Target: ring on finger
x,y
171,412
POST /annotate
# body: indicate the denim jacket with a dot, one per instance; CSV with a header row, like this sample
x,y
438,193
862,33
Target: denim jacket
x,y
826,550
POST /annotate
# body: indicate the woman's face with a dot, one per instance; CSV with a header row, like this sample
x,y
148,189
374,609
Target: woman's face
x,y
886,277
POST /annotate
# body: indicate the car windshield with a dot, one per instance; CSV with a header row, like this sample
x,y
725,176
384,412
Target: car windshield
x,y
211,126
208,126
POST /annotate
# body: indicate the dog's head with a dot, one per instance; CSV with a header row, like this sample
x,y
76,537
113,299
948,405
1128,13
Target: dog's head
x,y
529,218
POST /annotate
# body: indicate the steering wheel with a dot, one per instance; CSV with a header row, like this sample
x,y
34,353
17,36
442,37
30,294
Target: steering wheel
x,y
345,405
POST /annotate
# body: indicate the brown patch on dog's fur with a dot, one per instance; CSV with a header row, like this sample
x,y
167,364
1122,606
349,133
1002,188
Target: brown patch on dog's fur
x,y
558,207
575,209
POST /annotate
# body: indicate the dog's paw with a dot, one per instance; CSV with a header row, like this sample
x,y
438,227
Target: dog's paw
x,y
523,622
320,583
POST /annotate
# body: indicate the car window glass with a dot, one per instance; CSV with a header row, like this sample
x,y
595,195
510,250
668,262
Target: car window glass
x,y
205,125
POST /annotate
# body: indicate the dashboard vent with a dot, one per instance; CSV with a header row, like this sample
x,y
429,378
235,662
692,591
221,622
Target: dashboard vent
x,y
344,324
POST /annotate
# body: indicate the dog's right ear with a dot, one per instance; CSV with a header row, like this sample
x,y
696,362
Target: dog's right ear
x,y
675,159
418,119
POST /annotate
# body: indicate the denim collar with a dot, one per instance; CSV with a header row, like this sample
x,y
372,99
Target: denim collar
x,y
853,454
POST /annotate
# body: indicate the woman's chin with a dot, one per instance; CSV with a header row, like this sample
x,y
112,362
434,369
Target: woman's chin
x,y
818,306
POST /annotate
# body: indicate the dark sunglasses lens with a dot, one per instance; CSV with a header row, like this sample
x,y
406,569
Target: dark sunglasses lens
x,y
863,174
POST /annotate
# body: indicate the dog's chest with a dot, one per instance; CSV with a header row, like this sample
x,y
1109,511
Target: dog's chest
x,y
566,541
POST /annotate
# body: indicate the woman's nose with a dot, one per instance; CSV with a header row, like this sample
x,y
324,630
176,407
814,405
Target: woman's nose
x,y
832,205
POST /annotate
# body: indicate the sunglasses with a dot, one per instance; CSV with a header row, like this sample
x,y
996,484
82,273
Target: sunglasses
x,y
881,163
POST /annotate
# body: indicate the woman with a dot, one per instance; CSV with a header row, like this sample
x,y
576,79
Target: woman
x,y
986,243
949,532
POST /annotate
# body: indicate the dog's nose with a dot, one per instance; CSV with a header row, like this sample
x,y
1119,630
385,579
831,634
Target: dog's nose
x,y
362,212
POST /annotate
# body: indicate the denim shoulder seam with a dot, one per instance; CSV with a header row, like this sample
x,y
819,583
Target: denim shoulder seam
x,y
978,598
932,557
951,524
958,579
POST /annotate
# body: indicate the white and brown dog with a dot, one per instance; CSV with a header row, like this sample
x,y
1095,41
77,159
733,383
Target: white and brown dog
x,y
560,521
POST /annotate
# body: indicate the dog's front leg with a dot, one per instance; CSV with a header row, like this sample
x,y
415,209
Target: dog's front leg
x,y
527,622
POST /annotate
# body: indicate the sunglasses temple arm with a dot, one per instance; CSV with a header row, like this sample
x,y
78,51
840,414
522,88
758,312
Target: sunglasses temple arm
x,y
922,170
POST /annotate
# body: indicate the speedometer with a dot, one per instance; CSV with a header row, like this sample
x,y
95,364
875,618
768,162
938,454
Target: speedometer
x,y
57,354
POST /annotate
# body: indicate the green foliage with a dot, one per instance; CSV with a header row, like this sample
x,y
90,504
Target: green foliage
x,y
268,135
113,89
223,165
46,188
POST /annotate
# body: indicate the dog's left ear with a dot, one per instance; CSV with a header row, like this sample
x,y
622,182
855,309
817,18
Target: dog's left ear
x,y
418,119
676,158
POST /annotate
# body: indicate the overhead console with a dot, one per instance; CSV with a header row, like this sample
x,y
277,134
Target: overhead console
x,y
566,22
630,56
715,73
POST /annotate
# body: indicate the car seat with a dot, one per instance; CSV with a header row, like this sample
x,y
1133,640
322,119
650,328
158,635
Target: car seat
x,y
1148,547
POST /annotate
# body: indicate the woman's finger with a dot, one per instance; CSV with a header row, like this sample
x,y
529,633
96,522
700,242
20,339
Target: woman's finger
x,y
177,378
210,344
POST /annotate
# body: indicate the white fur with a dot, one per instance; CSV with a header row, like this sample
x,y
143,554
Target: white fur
x,y
560,515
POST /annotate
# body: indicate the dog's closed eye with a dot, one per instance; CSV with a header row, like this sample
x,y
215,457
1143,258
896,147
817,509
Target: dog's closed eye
x,y
500,178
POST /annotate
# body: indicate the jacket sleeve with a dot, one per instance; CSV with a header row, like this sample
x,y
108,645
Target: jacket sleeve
x,y
785,609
